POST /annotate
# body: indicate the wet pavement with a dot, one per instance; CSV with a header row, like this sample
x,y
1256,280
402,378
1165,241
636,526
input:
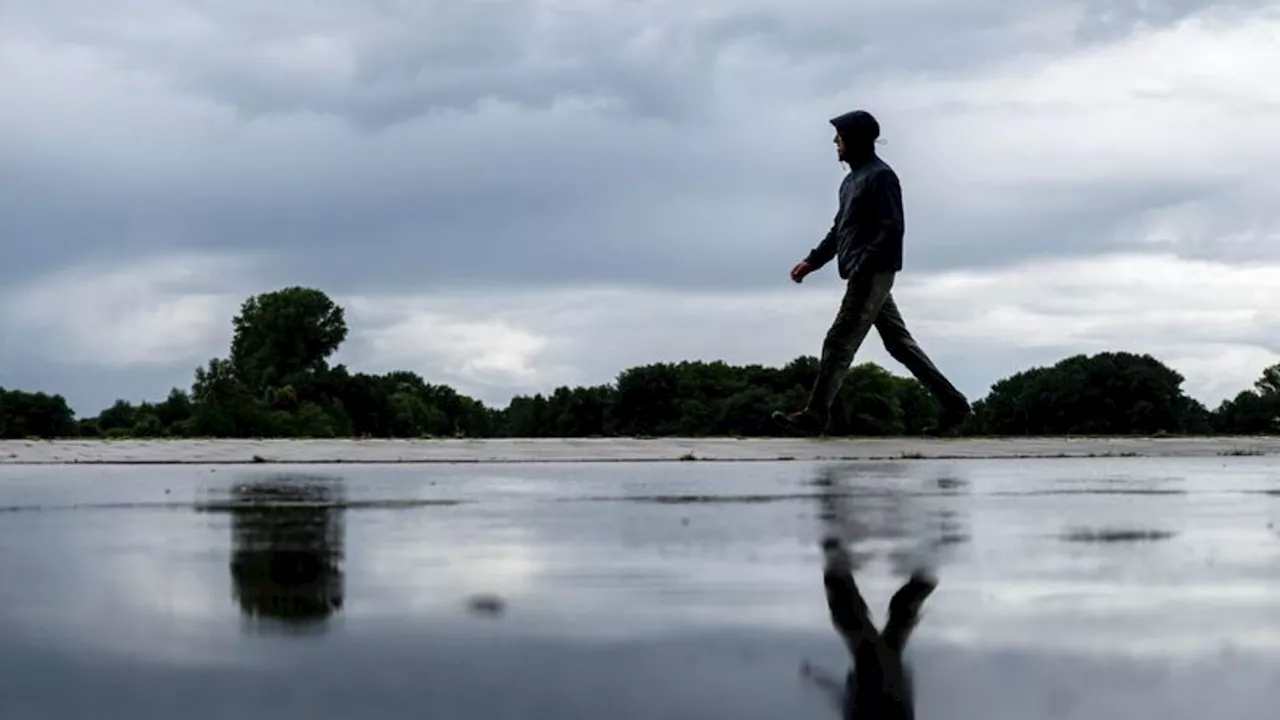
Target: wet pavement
x,y
526,450
1069,588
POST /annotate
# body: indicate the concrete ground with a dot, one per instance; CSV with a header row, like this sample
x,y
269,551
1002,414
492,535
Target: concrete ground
x,y
612,449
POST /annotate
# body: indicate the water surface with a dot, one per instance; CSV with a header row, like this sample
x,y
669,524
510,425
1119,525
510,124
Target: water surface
x,y
1108,587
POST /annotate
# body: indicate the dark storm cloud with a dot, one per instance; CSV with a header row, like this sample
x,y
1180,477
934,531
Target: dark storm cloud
x,y
422,144
379,63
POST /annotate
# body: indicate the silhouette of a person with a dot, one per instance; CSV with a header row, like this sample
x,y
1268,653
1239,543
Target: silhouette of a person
x,y
878,687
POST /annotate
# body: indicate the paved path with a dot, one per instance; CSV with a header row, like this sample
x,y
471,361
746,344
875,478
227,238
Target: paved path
x,y
605,450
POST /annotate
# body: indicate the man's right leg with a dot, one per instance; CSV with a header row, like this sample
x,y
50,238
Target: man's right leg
x,y
863,298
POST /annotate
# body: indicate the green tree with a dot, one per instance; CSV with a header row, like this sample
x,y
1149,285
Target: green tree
x,y
87,428
1269,384
224,406
920,409
35,414
176,409
283,334
870,403
120,417
1252,412
648,399
581,411
1107,393
746,412
365,400
529,417
148,425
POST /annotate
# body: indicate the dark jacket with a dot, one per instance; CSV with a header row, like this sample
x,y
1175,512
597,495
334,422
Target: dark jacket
x,y
867,232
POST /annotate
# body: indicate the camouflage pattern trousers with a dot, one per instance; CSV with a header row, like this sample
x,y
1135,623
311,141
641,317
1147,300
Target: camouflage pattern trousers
x,y
868,302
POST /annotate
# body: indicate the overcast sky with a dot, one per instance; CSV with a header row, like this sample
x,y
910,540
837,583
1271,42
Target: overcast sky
x,y
509,195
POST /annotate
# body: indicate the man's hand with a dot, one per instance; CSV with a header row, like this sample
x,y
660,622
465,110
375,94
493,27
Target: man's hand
x,y
800,270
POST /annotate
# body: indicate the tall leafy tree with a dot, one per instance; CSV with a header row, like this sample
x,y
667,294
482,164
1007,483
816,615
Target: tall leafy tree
x,y
285,334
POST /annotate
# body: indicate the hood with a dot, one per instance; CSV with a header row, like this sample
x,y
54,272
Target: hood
x,y
857,126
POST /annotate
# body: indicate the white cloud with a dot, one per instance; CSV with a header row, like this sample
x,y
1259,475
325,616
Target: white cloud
x,y
486,352
1158,100
154,311
1147,299
1163,136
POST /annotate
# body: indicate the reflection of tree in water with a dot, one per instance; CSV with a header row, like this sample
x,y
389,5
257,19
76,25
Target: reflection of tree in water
x,y
287,550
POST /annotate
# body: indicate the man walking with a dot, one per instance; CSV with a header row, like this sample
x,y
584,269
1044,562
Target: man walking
x,y
866,241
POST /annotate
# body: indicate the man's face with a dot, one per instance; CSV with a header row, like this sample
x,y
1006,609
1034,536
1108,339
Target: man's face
x,y
839,147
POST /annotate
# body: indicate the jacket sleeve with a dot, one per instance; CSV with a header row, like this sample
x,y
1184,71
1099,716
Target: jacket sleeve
x,y
822,254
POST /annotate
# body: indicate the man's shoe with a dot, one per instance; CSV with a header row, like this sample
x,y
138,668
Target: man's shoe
x,y
803,422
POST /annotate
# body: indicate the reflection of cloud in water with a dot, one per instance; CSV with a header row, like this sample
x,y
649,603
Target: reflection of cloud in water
x,y
128,584
1110,618
438,570
875,508
442,561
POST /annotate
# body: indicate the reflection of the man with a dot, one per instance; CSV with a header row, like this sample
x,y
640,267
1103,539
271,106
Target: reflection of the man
x,y
878,687
869,503
286,550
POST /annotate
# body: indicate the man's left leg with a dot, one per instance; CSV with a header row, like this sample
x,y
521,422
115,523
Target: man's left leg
x,y
863,297
849,612
851,618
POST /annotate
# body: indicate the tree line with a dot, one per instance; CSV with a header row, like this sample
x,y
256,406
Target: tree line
x,y
276,381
